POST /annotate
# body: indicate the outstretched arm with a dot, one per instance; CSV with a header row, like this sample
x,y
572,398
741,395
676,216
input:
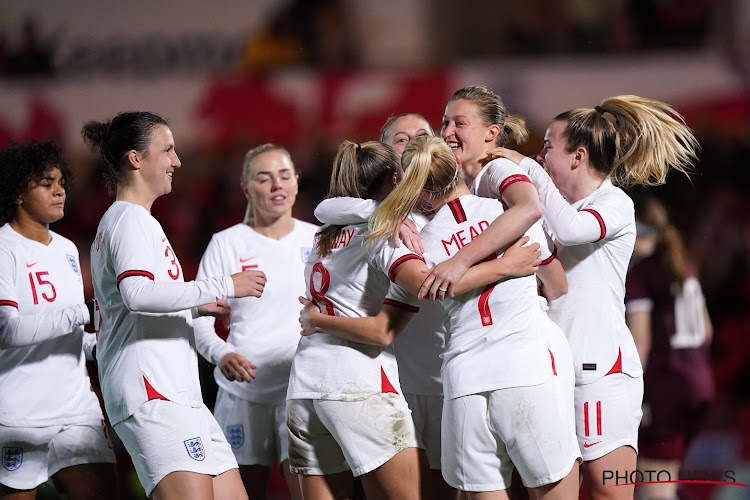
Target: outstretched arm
x,y
21,331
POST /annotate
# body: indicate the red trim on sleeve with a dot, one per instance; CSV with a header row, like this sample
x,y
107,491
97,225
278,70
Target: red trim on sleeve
x,y
617,367
400,305
552,357
385,384
9,303
128,274
512,179
602,226
551,257
152,393
399,261
458,210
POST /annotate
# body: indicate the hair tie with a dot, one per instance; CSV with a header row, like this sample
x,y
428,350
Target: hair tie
x,y
359,148
599,110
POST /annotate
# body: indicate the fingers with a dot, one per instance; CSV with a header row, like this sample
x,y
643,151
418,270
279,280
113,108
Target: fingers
x,y
238,368
426,287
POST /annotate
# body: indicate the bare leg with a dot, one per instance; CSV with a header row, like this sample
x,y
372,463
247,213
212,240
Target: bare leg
x,y
397,479
228,486
87,481
621,461
11,494
330,487
183,485
488,495
292,481
661,490
564,489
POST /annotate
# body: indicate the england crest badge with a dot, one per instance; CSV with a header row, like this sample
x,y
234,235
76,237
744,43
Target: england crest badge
x,y
194,447
12,457
73,264
305,252
236,436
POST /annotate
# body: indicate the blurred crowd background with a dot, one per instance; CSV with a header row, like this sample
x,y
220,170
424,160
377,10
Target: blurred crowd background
x,y
307,74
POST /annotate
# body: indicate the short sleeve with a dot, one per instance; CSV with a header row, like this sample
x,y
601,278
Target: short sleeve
x,y
386,257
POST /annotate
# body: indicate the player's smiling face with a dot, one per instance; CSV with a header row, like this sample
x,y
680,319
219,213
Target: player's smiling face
x,y
554,156
404,129
464,131
44,200
272,188
160,162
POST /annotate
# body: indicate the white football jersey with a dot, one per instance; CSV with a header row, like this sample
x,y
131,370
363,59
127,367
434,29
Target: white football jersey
x,y
495,335
141,356
45,383
352,281
266,329
594,239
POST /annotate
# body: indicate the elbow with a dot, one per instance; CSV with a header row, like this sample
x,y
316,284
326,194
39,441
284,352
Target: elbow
x,y
556,293
385,339
534,212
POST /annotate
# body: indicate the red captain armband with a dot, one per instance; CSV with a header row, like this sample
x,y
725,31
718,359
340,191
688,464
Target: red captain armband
x,y
511,179
600,220
136,272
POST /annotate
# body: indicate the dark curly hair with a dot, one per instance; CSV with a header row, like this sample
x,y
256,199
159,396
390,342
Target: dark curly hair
x,y
21,164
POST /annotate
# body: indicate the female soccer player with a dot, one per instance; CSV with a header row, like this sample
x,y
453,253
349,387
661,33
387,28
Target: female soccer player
x,y
497,352
146,351
399,129
263,331
345,410
51,424
626,140
666,313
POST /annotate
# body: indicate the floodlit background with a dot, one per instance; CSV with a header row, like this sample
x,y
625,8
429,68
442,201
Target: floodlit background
x,y
307,74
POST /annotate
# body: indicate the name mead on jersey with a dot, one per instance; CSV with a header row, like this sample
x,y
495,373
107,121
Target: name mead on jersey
x,y
459,238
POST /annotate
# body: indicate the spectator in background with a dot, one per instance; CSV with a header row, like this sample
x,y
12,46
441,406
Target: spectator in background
x,y
667,315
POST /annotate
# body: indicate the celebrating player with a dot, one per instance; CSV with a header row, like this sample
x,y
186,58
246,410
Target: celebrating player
x,y
147,361
262,330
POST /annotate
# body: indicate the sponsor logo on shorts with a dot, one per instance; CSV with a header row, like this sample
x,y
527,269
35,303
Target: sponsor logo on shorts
x,y
73,264
12,457
589,445
194,447
305,254
236,436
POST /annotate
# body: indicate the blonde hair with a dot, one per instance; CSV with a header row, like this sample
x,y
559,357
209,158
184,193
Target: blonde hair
x,y
359,171
247,165
386,129
493,111
429,165
642,141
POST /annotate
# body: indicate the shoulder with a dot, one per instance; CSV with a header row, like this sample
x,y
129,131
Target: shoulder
x,y
232,232
63,241
613,195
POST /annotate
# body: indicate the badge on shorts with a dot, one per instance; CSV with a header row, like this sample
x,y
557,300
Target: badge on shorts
x,y
236,436
73,264
305,252
12,457
194,447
